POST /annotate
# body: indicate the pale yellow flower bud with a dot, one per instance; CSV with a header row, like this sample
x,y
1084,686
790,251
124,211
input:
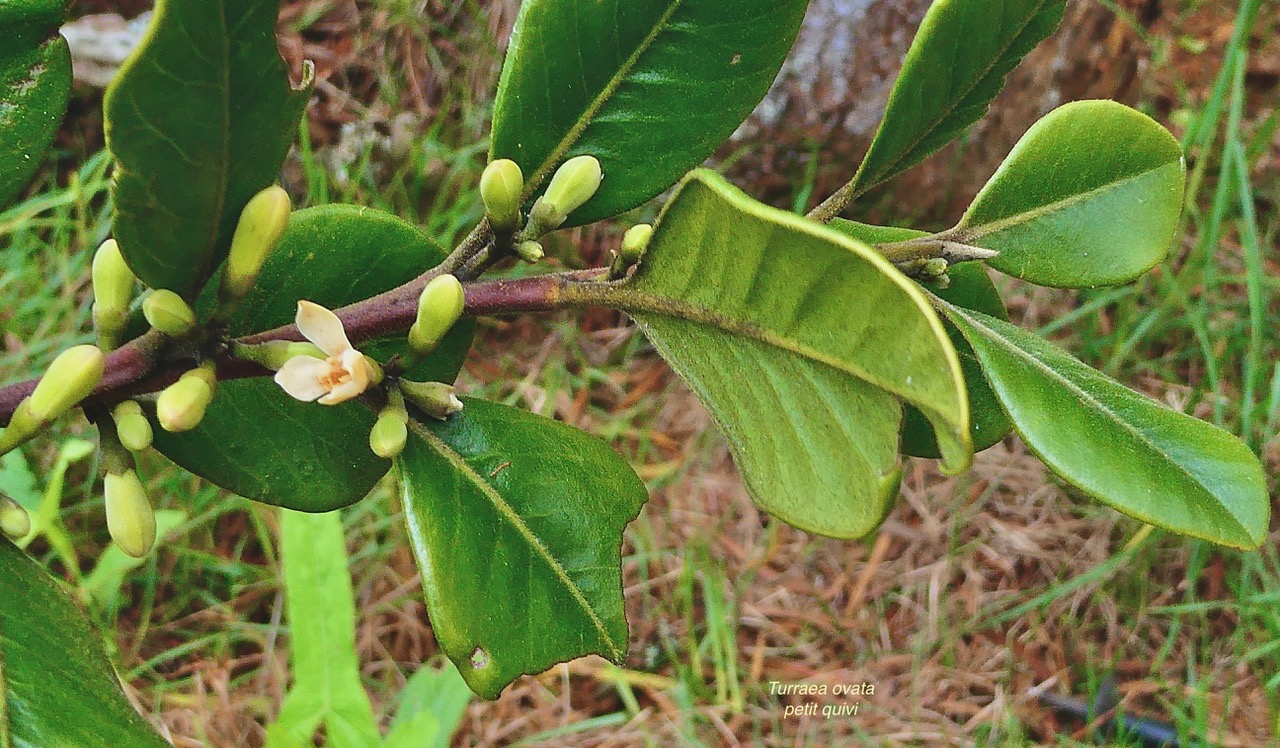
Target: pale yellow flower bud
x,y
168,313
113,284
389,433
70,379
15,523
181,405
573,184
130,519
439,307
501,186
262,223
132,427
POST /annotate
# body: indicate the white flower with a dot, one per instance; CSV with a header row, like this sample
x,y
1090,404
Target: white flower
x,y
342,375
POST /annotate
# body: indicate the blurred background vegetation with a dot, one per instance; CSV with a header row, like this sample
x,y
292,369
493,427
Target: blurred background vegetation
x,y
982,591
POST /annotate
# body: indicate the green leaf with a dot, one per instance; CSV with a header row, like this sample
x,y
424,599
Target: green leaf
x,y
198,119
1090,196
649,87
955,67
970,288
57,687
799,340
258,442
432,705
1163,467
35,85
516,521
322,633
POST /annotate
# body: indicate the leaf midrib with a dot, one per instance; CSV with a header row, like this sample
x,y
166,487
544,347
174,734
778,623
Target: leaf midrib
x,y
946,113
606,93
965,233
506,512
1087,397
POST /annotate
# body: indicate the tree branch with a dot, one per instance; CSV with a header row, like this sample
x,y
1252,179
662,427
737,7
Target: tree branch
x,y
140,366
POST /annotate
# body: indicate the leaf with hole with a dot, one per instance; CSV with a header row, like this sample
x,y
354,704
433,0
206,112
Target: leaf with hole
x,y
516,521
197,123
35,85
1163,467
649,87
57,687
800,341
970,288
1090,196
957,64
258,442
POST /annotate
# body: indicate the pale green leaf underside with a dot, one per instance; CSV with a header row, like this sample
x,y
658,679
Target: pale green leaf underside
x,y
1090,196
649,87
825,330
971,288
199,119
1163,467
516,521
955,67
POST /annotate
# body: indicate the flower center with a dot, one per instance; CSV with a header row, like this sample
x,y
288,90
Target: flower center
x,y
337,374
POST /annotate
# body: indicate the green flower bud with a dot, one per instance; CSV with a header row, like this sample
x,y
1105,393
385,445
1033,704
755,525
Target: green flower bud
x,y
573,184
501,186
207,372
436,399
70,379
389,433
168,313
634,242
439,307
113,284
262,223
181,405
530,251
132,427
276,353
22,426
934,267
130,519
14,520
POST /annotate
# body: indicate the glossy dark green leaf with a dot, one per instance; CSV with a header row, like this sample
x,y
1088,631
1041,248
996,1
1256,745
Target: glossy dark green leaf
x,y
1090,196
257,441
198,119
970,288
57,687
35,84
955,67
516,521
799,340
1163,467
649,87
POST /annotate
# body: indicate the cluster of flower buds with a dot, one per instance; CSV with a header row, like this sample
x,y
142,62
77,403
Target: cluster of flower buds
x,y
502,188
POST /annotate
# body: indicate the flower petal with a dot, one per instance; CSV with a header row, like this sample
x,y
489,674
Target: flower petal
x,y
356,365
300,377
322,327
341,393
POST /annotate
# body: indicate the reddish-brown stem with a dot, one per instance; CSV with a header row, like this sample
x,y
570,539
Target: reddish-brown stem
x,y
141,367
